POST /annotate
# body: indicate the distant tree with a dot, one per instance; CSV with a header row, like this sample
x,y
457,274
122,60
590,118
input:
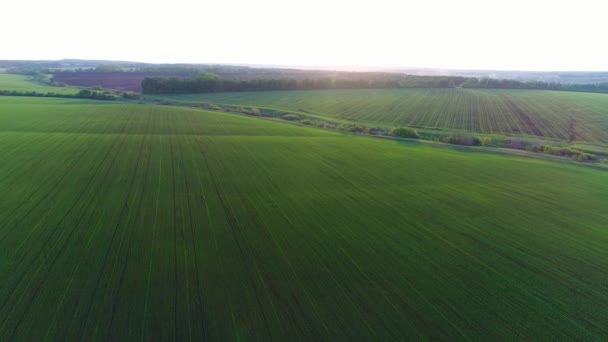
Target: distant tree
x,y
461,139
405,132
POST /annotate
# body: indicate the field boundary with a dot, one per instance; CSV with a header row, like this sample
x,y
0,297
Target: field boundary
x,y
495,150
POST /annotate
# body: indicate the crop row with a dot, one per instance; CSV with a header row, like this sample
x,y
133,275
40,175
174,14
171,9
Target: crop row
x,y
127,222
529,112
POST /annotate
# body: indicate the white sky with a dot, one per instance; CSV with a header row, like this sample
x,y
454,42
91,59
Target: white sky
x,y
472,34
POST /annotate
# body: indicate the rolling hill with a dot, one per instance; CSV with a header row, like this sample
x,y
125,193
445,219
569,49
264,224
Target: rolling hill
x,y
123,222
22,83
538,113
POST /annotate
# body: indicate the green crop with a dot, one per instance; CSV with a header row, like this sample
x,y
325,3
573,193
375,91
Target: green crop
x,y
136,222
546,114
21,83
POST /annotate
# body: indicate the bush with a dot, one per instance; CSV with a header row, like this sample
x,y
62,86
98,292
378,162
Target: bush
x,y
487,141
535,148
567,152
327,125
516,144
290,117
405,132
376,131
213,107
248,111
563,152
130,96
461,139
582,157
90,94
307,122
343,127
254,111
351,128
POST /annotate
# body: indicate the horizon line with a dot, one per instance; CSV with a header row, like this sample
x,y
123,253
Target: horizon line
x,y
353,68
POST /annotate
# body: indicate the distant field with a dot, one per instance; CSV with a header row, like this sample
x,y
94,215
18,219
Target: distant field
x,y
21,83
130,81
529,112
134,222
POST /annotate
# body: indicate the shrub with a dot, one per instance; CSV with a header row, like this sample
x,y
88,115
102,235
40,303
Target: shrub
x,y
254,111
461,139
90,94
247,111
351,128
487,141
582,157
130,96
563,152
213,107
290,117
405,132
327,125
516,144
378,131
307,122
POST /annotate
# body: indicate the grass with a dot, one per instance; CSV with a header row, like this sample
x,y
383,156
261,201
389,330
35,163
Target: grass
x,y
131,222
545,114
22,84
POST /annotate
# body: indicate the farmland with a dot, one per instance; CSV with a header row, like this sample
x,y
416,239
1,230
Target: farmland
x,y
545,114
126,81
21,83
124,222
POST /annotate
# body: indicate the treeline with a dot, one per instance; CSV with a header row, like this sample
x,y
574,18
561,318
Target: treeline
x,y
83,94
494,83
32,93
591,88
208,83
96,95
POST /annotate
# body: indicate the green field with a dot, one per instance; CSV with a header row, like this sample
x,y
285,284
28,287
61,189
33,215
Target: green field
x,y
22,84
521,112
136,222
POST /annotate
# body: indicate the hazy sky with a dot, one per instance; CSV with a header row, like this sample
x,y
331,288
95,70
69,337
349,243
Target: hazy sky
x,y
475,34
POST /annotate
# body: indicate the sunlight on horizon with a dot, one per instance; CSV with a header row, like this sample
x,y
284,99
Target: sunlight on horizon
x,y
471,34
